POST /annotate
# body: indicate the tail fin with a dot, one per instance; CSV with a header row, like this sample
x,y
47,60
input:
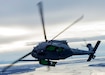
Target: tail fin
x,y
91,55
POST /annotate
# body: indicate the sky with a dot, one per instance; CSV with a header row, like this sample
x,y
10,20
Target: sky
x,y
20,23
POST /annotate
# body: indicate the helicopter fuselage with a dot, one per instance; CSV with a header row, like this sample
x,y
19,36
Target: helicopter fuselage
x,y
52,50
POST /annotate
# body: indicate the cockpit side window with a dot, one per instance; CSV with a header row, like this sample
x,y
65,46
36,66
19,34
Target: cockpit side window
x,y
51,48
54,48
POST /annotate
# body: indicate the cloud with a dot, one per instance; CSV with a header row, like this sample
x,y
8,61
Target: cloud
x,y
11,39
24,12
102,37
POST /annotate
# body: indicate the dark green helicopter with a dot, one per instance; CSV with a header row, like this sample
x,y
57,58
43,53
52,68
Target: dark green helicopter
x,y
46,52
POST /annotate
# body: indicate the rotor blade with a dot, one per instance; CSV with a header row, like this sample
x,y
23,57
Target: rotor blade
x,y
15,62
69,26
40,5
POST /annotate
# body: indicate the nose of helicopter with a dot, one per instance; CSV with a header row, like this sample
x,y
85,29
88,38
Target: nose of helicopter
x,y
34,53
37,52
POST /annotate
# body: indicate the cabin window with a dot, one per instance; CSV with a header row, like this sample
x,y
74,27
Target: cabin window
x,y
59,49
43,62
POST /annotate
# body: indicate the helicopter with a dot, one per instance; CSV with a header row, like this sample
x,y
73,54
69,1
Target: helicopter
x,y
49,50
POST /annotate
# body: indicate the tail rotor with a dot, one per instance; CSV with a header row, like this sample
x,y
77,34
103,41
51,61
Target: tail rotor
x,y
91,55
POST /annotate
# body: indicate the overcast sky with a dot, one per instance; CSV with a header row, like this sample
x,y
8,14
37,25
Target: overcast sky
x,y
20,21
25,12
